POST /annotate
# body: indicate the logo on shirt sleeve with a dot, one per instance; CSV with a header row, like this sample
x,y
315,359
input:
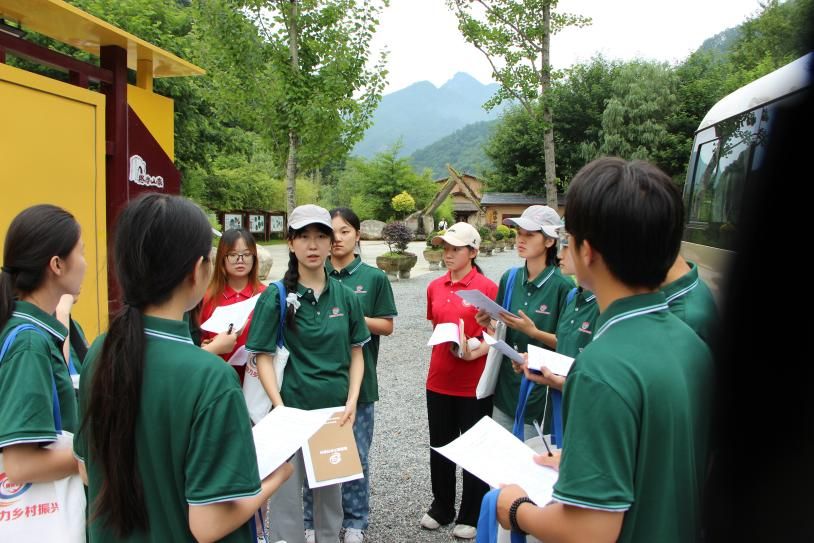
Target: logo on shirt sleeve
x,y
543,310
336,312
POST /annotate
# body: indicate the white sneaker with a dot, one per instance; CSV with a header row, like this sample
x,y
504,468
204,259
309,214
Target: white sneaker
x,y
310,536
429,523
354,535
464,531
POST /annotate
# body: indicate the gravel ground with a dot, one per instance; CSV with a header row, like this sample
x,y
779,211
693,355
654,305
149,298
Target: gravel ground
x,y
399,469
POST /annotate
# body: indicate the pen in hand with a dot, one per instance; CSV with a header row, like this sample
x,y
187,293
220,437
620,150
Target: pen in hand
x,y
231,326
540,433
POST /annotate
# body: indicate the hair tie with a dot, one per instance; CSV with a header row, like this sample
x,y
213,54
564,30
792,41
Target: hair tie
x,y
292,301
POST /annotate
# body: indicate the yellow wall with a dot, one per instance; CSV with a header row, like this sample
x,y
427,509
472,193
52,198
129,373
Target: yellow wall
x,y
52,150
156,112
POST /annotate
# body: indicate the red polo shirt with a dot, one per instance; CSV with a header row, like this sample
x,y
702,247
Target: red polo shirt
x,y
230,296
449,374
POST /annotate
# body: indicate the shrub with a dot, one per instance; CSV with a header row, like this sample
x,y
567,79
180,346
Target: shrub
x,y
402,203
397,235
432,235
503,229
512,233
484,232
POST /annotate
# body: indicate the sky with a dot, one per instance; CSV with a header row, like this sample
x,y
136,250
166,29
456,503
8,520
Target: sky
x,y
424,43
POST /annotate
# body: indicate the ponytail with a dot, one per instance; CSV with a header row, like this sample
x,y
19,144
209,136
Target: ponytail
x,y
6,296
34,237
149,265
290,280
118,379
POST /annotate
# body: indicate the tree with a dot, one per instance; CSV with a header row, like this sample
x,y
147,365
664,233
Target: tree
x,y
578,100
321,93
515,37
368,186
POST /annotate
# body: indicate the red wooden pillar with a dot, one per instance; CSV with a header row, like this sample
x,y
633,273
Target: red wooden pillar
x,y
114,58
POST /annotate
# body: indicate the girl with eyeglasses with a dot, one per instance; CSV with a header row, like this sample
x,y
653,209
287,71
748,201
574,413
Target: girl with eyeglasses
x,y
234,280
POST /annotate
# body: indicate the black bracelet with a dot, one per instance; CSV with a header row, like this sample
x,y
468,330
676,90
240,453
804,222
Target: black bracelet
x,y
513,512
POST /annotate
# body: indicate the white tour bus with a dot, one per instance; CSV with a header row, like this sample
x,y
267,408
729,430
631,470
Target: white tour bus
x,y
727,151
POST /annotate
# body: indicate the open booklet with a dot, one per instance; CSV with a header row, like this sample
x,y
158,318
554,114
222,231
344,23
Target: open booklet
x,y
281,433
492,454
331,456
555,362
449,332
504,348
235,315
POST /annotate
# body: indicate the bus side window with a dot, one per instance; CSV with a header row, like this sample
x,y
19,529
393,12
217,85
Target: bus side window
x,y
720,172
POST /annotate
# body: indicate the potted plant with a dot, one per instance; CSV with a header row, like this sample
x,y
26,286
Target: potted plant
x,y
486,243
397,262
434,254
500,242
506,232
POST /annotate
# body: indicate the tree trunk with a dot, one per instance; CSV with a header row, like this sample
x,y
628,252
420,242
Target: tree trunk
x,y
548,135
291,172
293,138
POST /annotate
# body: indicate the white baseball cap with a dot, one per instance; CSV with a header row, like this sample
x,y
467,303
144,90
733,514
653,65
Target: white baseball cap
x,y
307,214
459,234
538,218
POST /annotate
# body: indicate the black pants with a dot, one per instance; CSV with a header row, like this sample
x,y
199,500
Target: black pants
x,y
449,417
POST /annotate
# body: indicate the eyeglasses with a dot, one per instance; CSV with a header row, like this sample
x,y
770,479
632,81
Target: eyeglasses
x,y
563,238
234,258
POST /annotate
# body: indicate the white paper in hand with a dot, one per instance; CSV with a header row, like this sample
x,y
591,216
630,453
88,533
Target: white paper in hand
x,y
504,348
281,433
240,357
492,454
446,332
482,301
556,363
225,315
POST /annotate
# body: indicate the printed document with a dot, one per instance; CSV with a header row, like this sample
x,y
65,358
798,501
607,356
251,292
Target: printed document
x,y
492,454
235,315
331,456
281,433
555,362
504,348
482,301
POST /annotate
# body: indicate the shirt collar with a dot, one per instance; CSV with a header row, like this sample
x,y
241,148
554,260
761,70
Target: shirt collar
x,y
246,292
464,281
308,294
167,329
33,314
629,307
541,278
347,270
682,285
586,295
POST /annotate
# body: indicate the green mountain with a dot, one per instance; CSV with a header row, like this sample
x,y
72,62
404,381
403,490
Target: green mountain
x,y
421,114
463,149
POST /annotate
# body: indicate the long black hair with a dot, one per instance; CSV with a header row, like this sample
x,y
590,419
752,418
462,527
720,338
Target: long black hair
x,y
34,237
159,240
292,274
347,215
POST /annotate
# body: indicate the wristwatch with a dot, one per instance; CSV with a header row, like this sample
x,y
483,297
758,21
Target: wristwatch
x,y
513,512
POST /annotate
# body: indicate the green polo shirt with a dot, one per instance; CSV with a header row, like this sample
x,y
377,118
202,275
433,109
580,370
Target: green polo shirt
x,y
371,286
30,367
576,326
316,375
636,414
193,435
543,300
691,301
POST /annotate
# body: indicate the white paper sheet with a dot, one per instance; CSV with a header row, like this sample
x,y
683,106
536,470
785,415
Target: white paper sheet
x,y
555,362
235,314
504,348
444,333
241,357
281,433
482,301
492,454
309,465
